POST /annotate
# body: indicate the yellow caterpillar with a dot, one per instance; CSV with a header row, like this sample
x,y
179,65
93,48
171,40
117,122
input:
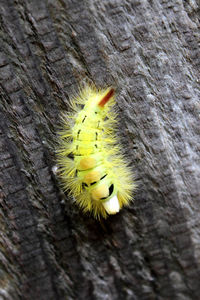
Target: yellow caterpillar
x,y
89,156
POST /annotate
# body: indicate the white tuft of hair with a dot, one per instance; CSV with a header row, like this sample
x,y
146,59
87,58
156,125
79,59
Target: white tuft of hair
x,y
112,205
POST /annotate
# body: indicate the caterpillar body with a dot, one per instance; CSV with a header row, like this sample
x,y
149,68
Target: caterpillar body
x,y
89,156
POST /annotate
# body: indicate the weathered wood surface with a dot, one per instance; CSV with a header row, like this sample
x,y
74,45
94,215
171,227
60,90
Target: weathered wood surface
x,y
149,50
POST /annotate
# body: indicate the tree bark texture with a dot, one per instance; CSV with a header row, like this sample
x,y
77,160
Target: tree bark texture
x,y
149,50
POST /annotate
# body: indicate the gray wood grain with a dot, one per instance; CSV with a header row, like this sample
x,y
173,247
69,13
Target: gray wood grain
x,y
149,51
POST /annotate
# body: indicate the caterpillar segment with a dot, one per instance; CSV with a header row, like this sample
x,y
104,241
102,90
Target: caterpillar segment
x,y
91,164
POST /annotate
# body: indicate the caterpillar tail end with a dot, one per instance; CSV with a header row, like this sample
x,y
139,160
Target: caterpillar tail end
x,y
106,98
112,205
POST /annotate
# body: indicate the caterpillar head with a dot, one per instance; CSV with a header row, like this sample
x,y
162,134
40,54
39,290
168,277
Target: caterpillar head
x,y
108,197
112,205
100,186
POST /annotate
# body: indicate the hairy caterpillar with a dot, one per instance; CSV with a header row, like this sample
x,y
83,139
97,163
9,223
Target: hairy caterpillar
x,y
89,156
